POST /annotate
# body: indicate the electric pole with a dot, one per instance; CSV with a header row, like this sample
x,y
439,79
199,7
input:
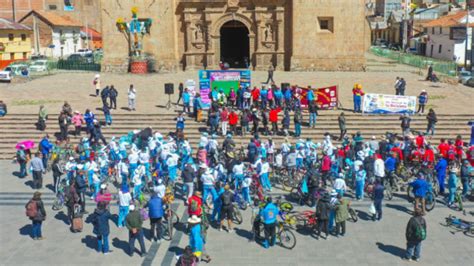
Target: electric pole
x,y
13,11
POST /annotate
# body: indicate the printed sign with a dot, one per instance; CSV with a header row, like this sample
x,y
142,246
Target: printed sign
x,y
388,104
221,80
327,98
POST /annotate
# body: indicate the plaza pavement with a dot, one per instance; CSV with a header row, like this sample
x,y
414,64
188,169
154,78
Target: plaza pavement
x,y
76,87
366,242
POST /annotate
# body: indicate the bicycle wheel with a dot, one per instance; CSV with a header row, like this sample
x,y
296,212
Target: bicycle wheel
x,y
57,204
237,216
287,238
353,215
410,194
174,218
389,194
470,231
430,201
295,195
166,234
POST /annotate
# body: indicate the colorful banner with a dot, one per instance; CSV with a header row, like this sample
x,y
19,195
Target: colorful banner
x,y
388,104
327,98
221,79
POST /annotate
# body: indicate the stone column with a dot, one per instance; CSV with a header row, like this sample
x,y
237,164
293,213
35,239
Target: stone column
x,y
280,38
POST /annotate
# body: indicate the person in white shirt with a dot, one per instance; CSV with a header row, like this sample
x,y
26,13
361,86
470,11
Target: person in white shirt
x,y
172,163
379,167
139,173
132,95
208,180
144,159
238,173
246,189
133,161
122,168
90,167
264,176
340,184
160,190
124,203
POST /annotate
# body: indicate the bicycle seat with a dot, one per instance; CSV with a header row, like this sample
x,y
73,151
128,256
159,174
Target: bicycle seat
x,y
286,206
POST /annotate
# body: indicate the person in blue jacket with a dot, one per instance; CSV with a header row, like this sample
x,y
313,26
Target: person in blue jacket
x,y
155,212
196,241
269,219
452,183
440,168
420,187
100,220
45,147
216,212
186,101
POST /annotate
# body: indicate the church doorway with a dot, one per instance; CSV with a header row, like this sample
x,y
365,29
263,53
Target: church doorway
x,y
235,48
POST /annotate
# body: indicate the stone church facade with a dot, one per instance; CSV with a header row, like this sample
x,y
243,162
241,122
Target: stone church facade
x,y
292,35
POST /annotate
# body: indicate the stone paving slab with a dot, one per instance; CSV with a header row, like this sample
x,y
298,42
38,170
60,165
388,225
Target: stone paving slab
x,y
366,242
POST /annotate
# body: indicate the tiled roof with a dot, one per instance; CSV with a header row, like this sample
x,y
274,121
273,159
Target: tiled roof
x,y
6,24
449,20
54,19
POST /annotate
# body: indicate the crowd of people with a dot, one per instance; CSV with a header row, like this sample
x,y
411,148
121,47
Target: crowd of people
x,y
149,168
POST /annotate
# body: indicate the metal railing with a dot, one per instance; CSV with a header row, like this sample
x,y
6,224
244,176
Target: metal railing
x,y
440,66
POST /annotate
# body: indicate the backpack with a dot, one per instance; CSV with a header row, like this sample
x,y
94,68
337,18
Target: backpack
x,y
420,231
32,209
194,206
227,198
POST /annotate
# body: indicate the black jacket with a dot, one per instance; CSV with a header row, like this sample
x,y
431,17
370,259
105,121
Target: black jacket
x,y
412,225
322,209
100,221
188,174
113,93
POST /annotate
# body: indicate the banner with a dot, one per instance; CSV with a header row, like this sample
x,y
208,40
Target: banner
x,y
327,98
388,104
221,79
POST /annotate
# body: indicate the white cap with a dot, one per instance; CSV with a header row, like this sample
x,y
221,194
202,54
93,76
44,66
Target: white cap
x,y
97,75
132,207
71,158
103,186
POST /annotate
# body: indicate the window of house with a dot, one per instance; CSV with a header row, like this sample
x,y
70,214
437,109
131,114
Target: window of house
x,y
88,2
25,55
52,7
440,48
432,30
12,56
440,30
326,24
23,37
11,36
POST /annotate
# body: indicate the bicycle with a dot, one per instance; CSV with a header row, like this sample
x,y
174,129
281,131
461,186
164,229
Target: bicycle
x,y
460,225
236,215
285,237
430,198
60,199
170,219
240,201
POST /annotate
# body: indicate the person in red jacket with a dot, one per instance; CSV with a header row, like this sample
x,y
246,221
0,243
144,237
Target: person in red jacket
x,y
233,121
396,149
273,117
325,167
255,95
195,204
429,156
459,145
443,148
420,140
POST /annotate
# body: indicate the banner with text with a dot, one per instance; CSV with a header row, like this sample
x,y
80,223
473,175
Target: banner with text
x,y
221,79
326,98
388,104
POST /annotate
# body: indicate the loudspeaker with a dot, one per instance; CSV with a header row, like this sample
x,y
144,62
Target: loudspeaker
x,y
169,88
285,85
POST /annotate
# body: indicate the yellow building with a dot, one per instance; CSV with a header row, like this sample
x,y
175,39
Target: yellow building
x,y
15,41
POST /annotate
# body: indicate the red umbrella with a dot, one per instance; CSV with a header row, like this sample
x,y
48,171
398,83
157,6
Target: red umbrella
x,y
28,144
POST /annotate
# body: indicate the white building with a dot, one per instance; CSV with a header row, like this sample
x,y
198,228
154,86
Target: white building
x,y
447,37
53,35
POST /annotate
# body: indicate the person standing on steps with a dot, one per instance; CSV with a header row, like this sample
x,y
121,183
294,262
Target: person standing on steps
x,y
342,125
134,222
104,95
432,120
96,83
42,117
113,94
180,92
270,74
415,233
131,98
402,87
422,100
37,214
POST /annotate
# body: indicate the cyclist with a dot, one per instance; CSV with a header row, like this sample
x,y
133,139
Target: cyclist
x,y
420,187
268,217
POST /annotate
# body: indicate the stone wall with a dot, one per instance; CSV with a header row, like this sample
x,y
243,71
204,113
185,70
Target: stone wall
x,y
342,48
161,43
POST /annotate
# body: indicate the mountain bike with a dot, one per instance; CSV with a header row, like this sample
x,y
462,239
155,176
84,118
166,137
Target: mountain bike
x,y
460,225
430,198
59,201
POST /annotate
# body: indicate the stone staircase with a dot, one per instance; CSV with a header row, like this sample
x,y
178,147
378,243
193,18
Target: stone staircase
x,y
18,127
